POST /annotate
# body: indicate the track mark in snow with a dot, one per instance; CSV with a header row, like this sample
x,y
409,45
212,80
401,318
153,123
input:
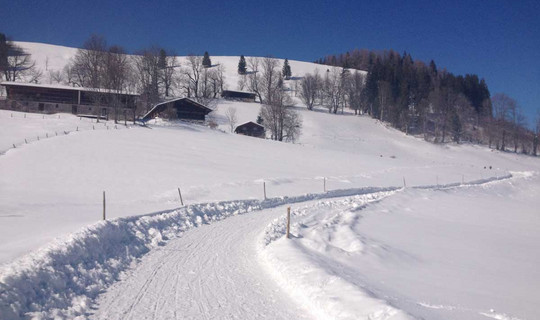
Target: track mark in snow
x,y
435,306
499,316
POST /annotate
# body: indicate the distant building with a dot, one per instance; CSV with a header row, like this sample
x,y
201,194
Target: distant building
x,y
46,98
180,108
238,95
250,129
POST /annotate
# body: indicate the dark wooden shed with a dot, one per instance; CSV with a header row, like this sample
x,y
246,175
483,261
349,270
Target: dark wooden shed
x,y
250,129
238,95
180,108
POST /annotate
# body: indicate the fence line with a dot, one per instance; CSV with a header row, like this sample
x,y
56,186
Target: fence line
x,y
56,133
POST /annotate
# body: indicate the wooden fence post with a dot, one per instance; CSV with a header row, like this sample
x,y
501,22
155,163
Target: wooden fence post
x,y
288,222
264,189
103,205
324,184
180,194
404,183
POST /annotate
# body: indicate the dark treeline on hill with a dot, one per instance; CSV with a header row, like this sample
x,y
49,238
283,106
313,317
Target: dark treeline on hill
x,y
418,98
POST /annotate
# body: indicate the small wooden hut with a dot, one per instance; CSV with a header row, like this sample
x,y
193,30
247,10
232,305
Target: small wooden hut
x,y
251,129
238,95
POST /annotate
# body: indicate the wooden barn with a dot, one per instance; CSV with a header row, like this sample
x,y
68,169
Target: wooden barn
x,y
46,98
180,108
239,95
251,129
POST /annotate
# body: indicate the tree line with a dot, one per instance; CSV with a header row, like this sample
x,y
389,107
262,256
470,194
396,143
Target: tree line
x,y
419,98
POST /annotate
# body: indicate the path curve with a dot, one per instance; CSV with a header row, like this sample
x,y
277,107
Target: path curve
x,y
210,272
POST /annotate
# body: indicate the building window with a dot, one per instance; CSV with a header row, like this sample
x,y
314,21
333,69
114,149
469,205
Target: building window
x,y
41,107
57,106
89,108
74,109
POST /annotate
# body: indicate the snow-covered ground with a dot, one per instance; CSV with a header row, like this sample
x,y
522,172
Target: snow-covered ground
x,y
462,245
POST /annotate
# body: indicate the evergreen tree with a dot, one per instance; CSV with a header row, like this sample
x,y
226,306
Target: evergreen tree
x,y
206,62
242,65
433,67
162,62
286,70
259,119
3,53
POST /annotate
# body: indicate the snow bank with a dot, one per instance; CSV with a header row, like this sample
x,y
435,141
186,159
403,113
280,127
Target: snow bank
x,y
309,281
310,266
63,279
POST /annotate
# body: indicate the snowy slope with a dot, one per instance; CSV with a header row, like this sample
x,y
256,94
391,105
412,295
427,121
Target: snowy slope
x,y
51,189
450,253
54,58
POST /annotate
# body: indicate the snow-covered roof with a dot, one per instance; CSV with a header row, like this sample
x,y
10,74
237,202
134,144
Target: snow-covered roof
x,y
63,87
249,123
157,106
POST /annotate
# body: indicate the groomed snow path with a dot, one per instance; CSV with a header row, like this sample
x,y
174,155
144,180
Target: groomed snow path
x,y
210,272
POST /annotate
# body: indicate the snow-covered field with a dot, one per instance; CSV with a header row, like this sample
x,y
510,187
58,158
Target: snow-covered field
x,y
461,241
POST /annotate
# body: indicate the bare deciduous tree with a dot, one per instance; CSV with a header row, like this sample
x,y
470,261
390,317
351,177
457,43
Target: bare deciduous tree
x,y
270,77
254,84
231,117
148,72
503,107
355,88
309,88
15,63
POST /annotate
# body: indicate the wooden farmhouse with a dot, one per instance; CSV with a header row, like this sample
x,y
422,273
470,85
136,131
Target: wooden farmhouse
x,y
43,98
250,129
180,108
238,95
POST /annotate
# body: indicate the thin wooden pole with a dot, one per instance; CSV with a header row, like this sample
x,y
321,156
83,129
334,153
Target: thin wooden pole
x,y
264,189
180,194
288,222
104,218
324,184
404,183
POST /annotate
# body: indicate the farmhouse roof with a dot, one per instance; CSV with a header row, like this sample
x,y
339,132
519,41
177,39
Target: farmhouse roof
x,y
64,87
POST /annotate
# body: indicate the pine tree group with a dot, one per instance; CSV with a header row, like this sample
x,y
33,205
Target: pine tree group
x,y
286,70
242,65
206,62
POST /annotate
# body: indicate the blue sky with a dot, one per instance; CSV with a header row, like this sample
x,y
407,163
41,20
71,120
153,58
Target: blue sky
x,y
498,40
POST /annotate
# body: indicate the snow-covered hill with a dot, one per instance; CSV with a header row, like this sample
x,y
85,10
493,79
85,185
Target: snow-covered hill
x,y
53,58
59,256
